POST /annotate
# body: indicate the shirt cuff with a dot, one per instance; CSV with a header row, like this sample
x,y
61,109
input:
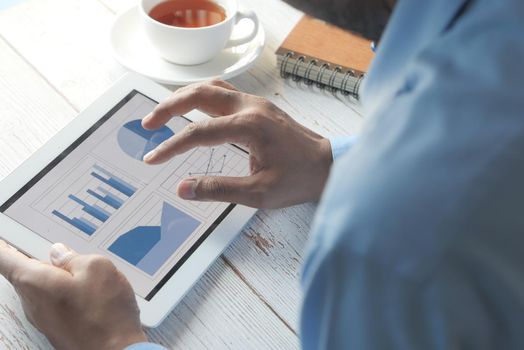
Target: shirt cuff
x,y
340,145
145,346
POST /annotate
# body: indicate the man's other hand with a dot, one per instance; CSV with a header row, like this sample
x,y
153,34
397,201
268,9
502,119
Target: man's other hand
x,y
289,163
78,302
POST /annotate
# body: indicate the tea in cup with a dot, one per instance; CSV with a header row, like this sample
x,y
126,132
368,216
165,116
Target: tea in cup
x,y
191,32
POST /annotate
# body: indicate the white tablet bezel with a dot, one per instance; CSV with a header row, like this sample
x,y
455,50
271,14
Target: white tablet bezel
x,y
154,311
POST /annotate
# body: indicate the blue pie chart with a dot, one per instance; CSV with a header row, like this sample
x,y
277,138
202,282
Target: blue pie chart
x,y
136,141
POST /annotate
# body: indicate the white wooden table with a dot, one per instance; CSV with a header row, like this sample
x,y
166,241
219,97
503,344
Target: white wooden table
x,y
54,60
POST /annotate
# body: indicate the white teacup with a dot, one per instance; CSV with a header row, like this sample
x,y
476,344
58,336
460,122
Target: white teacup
x,y
191,46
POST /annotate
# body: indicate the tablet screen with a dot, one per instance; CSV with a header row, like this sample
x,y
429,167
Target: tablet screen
x,y
99,197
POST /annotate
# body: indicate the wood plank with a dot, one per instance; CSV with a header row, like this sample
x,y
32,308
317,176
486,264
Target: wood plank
x,y
270,252
15,331
67,42
118,6
286,230
316,109
208,317
275,16
30,111
269,255
219,311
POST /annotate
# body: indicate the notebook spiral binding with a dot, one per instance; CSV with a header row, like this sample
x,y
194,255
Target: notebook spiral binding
x,y
312,71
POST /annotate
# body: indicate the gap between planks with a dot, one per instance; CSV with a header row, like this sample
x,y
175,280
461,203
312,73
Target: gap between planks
x,y
107,7
258,295
225,259
37,72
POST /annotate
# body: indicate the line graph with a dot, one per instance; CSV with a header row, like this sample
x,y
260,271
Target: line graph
x,y
223,160
211,166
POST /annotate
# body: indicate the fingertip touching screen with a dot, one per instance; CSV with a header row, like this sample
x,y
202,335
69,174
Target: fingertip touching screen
x,y
99,197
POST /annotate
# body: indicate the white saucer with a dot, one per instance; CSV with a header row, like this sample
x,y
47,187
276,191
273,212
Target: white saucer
x,y
133,50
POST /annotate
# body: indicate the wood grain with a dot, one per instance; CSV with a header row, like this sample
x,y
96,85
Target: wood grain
x,y
30,111
15,331
58,64
221,311
67,42
268,256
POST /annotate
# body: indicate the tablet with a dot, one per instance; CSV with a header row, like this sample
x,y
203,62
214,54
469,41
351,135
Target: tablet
x,y
89,188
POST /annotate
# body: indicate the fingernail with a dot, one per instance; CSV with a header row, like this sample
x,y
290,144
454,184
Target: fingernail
x,y
187,189
59,253
149,156
147,117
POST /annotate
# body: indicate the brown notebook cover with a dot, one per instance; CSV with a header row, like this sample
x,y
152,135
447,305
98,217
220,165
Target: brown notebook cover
x,y
319,52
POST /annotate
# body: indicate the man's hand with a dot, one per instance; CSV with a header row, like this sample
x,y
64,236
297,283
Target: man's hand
x,y
79,302
289,163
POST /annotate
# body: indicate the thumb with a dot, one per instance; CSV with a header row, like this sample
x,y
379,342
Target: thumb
x,y
12,262
217,188
61,256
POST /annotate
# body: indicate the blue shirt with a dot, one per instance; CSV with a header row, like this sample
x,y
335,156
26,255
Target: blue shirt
x,y
418,241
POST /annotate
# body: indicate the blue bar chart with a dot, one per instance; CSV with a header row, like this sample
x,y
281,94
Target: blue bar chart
x,y
113,181
107,197
93,210
80,223
102,196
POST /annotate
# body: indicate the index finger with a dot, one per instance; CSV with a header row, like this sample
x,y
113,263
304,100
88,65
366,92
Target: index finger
x,y
211,132
13,262
208,98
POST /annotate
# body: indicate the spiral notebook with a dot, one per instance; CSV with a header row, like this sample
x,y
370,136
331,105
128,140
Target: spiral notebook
x,y
318,53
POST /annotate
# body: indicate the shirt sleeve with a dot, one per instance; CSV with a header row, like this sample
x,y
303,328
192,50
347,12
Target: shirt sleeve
x,y
145,346
341,144
417,241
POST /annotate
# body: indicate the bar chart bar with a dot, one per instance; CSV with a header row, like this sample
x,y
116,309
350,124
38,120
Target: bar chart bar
x,y
108,198
114,181
96,201
80,223
86,223
111,195
93,210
